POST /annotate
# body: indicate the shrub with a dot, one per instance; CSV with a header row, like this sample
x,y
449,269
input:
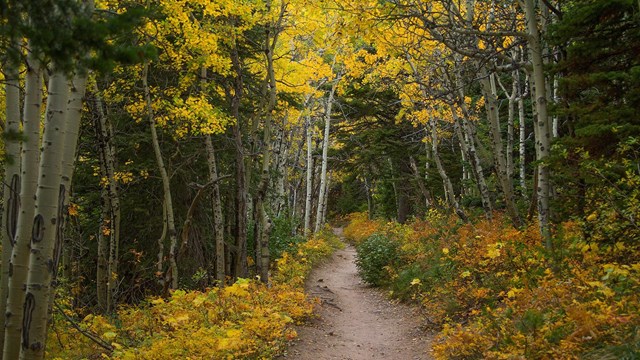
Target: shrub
x,y
375,256
247,320
281,239
360,227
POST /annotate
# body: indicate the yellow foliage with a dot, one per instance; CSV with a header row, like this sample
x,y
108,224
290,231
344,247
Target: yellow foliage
x,y
491,288
244,320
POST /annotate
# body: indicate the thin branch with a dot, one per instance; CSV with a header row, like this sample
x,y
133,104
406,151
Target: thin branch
x,y
89,335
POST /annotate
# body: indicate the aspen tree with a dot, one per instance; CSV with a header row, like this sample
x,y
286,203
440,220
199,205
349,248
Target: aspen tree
x,y
111,218
171,277
325,152
47,222
542,133
29,160
11,188
309,184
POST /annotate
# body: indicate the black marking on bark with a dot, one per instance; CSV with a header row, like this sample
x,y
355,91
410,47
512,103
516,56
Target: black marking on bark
x,y
57,249
29,307
37,232
10,269
13,208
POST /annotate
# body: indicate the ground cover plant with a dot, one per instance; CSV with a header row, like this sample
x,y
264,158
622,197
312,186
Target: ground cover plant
x,y
247,319
493,291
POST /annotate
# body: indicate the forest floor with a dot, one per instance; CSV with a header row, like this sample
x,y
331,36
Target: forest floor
x,y
356,321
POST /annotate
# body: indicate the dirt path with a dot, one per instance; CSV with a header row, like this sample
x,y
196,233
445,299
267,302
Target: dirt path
x,y
357,322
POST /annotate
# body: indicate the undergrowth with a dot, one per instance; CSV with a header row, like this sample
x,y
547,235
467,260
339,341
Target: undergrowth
x,y
248,319
493,292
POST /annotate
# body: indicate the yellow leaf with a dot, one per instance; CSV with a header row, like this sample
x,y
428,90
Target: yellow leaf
x,y
73,209
157,301
513,292
109,335
415,282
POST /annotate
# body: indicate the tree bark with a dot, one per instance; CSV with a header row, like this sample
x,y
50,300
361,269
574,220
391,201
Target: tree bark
x,y
310,169
489,91
29,160
112,201
443,173
325,151
522,133
216,205
421,183
543,135
468,146
171,278
241,267
11,188
47,223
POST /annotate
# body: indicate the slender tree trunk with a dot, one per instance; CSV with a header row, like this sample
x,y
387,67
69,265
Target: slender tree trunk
x,y
543,134
443,173
11,188
161,241
171,280
370,203
310,169
421,183
102,274
218,221
325,151
553,96
216,202
522,133
325,199
29,160
489,91
241,268
266,224
112,204
47,223
281,156
511,97
74,115
468,146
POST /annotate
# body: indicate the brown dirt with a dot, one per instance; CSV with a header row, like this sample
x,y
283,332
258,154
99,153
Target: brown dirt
x,y
355,321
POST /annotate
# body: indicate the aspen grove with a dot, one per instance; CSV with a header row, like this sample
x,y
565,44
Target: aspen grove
x,y
171,168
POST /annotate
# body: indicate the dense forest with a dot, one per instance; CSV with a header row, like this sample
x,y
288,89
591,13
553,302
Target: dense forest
x,y
162,157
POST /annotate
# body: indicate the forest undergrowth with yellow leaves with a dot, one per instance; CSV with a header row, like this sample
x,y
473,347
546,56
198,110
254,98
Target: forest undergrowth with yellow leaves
x,y
247,319
493,292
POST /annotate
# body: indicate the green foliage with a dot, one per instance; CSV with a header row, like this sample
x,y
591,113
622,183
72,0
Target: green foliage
x,y
281,239
374,256
64,31
600,80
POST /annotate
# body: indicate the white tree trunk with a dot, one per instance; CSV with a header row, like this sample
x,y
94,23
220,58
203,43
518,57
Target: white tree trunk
x,y
448,187
489,91
522,132
47,223
468,146
172,279
29,160
11,188
216,204
310,169
325,151
543,133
